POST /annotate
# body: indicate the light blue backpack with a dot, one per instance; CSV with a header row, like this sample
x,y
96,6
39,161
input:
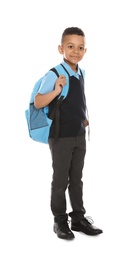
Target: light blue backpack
x,y
38,121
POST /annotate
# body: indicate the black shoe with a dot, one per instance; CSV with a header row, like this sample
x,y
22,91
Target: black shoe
x,y
62,230
85,226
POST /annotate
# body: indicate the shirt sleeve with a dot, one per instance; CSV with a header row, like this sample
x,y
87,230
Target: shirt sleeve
x,y
48,82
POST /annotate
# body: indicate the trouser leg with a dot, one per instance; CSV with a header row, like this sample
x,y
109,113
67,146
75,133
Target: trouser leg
x,y
75,187
61,152
67,160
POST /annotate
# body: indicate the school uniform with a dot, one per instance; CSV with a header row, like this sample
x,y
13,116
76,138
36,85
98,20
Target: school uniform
x,y
68,152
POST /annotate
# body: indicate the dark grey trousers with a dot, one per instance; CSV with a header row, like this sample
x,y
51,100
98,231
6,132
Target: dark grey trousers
x,y
67,161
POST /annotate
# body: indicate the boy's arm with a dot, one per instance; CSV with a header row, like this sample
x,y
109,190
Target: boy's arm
x,y
42,100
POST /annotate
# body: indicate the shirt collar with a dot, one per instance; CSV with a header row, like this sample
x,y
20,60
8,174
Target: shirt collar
x,y
71,72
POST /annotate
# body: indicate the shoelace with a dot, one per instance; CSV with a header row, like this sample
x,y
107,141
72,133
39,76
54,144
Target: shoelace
x,y
89,219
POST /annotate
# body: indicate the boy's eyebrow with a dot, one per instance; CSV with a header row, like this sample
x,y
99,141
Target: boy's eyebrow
x,y
73,43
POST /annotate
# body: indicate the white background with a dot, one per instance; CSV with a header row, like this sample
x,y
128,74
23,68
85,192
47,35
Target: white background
x,y
30,32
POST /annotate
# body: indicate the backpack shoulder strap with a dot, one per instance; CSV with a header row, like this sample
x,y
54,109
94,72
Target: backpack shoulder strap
x,y
60,69
55,71
65,69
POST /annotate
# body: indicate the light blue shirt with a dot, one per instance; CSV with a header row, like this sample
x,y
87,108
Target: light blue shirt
x,y
49,79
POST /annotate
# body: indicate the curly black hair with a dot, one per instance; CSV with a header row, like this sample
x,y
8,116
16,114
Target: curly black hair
x,y
72,30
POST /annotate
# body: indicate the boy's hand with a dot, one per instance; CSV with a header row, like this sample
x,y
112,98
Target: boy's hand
x,y
60,82
86,122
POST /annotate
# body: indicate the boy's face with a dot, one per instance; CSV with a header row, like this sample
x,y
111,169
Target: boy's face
x,y
73,48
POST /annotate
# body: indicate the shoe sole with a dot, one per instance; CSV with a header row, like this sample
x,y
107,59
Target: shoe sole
x,y
87,233
63,237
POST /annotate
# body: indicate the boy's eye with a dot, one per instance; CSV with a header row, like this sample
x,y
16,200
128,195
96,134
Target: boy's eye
x,y
70,46
81,48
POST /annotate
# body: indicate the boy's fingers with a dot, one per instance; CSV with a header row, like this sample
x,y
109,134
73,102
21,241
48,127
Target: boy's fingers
x,y
62,76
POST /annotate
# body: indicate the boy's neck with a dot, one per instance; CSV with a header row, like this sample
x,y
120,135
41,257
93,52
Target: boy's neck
x,y
74,67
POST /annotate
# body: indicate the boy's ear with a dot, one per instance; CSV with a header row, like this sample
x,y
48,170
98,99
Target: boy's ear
x,y
85,50
60,49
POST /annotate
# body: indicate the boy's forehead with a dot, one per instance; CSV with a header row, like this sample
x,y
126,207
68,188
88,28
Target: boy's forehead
x,y
74,38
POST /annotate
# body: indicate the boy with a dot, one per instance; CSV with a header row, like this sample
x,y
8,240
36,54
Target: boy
x,y
68,152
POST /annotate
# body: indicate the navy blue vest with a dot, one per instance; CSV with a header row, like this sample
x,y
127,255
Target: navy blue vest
x,y
72,110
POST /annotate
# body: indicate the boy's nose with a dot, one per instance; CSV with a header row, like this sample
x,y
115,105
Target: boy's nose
x,y
76,50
